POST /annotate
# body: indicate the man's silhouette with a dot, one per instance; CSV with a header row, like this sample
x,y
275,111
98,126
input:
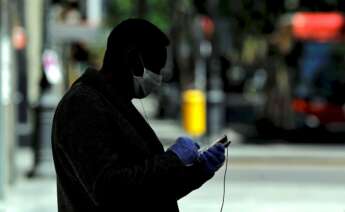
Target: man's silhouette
x,y
107,157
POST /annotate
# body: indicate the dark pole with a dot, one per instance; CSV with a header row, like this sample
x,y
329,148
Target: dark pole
x,y
22,78
142,8
215,94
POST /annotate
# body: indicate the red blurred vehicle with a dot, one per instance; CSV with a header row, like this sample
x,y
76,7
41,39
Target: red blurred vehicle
x,y
321,27
318,26
318,98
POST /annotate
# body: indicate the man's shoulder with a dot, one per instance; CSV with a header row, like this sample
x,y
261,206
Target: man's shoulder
x,y
80,96
80,92
89,86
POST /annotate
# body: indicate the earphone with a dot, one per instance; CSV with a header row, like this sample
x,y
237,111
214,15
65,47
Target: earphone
x,y
224,179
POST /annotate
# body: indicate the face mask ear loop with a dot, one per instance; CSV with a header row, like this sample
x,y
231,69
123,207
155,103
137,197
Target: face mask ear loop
x,y
142,62
144,112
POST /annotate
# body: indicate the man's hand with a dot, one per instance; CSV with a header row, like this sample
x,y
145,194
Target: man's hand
x,y
213,158
186,149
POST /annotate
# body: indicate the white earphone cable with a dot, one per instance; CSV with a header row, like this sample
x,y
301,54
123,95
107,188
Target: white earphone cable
x,y
224,179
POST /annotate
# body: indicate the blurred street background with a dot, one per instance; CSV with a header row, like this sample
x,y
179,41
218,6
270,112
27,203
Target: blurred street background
x,y
270,74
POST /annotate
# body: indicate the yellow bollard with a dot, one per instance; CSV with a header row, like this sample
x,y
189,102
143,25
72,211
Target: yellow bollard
x,y
194,112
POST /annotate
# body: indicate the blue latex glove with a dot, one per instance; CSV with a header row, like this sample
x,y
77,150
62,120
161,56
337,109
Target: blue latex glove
x,y
213,158
186,149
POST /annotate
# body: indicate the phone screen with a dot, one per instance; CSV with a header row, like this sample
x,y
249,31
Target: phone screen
x,y
223,140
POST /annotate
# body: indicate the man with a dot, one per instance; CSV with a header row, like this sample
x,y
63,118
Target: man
x,y
107,157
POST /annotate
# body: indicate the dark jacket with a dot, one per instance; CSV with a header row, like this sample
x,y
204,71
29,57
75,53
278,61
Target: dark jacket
x,y
107,157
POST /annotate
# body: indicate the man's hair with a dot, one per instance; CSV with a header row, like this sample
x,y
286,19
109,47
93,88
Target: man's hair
x,y
138,33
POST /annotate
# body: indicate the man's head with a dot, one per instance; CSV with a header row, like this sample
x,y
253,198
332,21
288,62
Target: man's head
x,y
133,45
137,37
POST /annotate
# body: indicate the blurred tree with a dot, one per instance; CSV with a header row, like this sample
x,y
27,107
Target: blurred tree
x,y
142,8
159,13
156,11
118,10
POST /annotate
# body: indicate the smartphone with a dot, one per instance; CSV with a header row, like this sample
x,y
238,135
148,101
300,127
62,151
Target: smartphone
x,y
224,140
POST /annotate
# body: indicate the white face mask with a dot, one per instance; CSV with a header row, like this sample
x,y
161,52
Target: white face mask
x,y
147,83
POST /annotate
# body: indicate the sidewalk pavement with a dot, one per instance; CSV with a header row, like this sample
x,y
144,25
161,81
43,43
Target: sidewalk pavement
x,y
39,195
30,195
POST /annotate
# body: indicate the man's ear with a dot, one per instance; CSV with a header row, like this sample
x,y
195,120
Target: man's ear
x,y
135,64
155,58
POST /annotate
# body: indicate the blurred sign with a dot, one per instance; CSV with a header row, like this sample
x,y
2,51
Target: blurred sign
x,y
51,66
19,37
71,33
318,26
207,26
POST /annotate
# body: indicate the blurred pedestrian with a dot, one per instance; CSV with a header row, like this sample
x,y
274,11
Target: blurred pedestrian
x,y
36,140
107,157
